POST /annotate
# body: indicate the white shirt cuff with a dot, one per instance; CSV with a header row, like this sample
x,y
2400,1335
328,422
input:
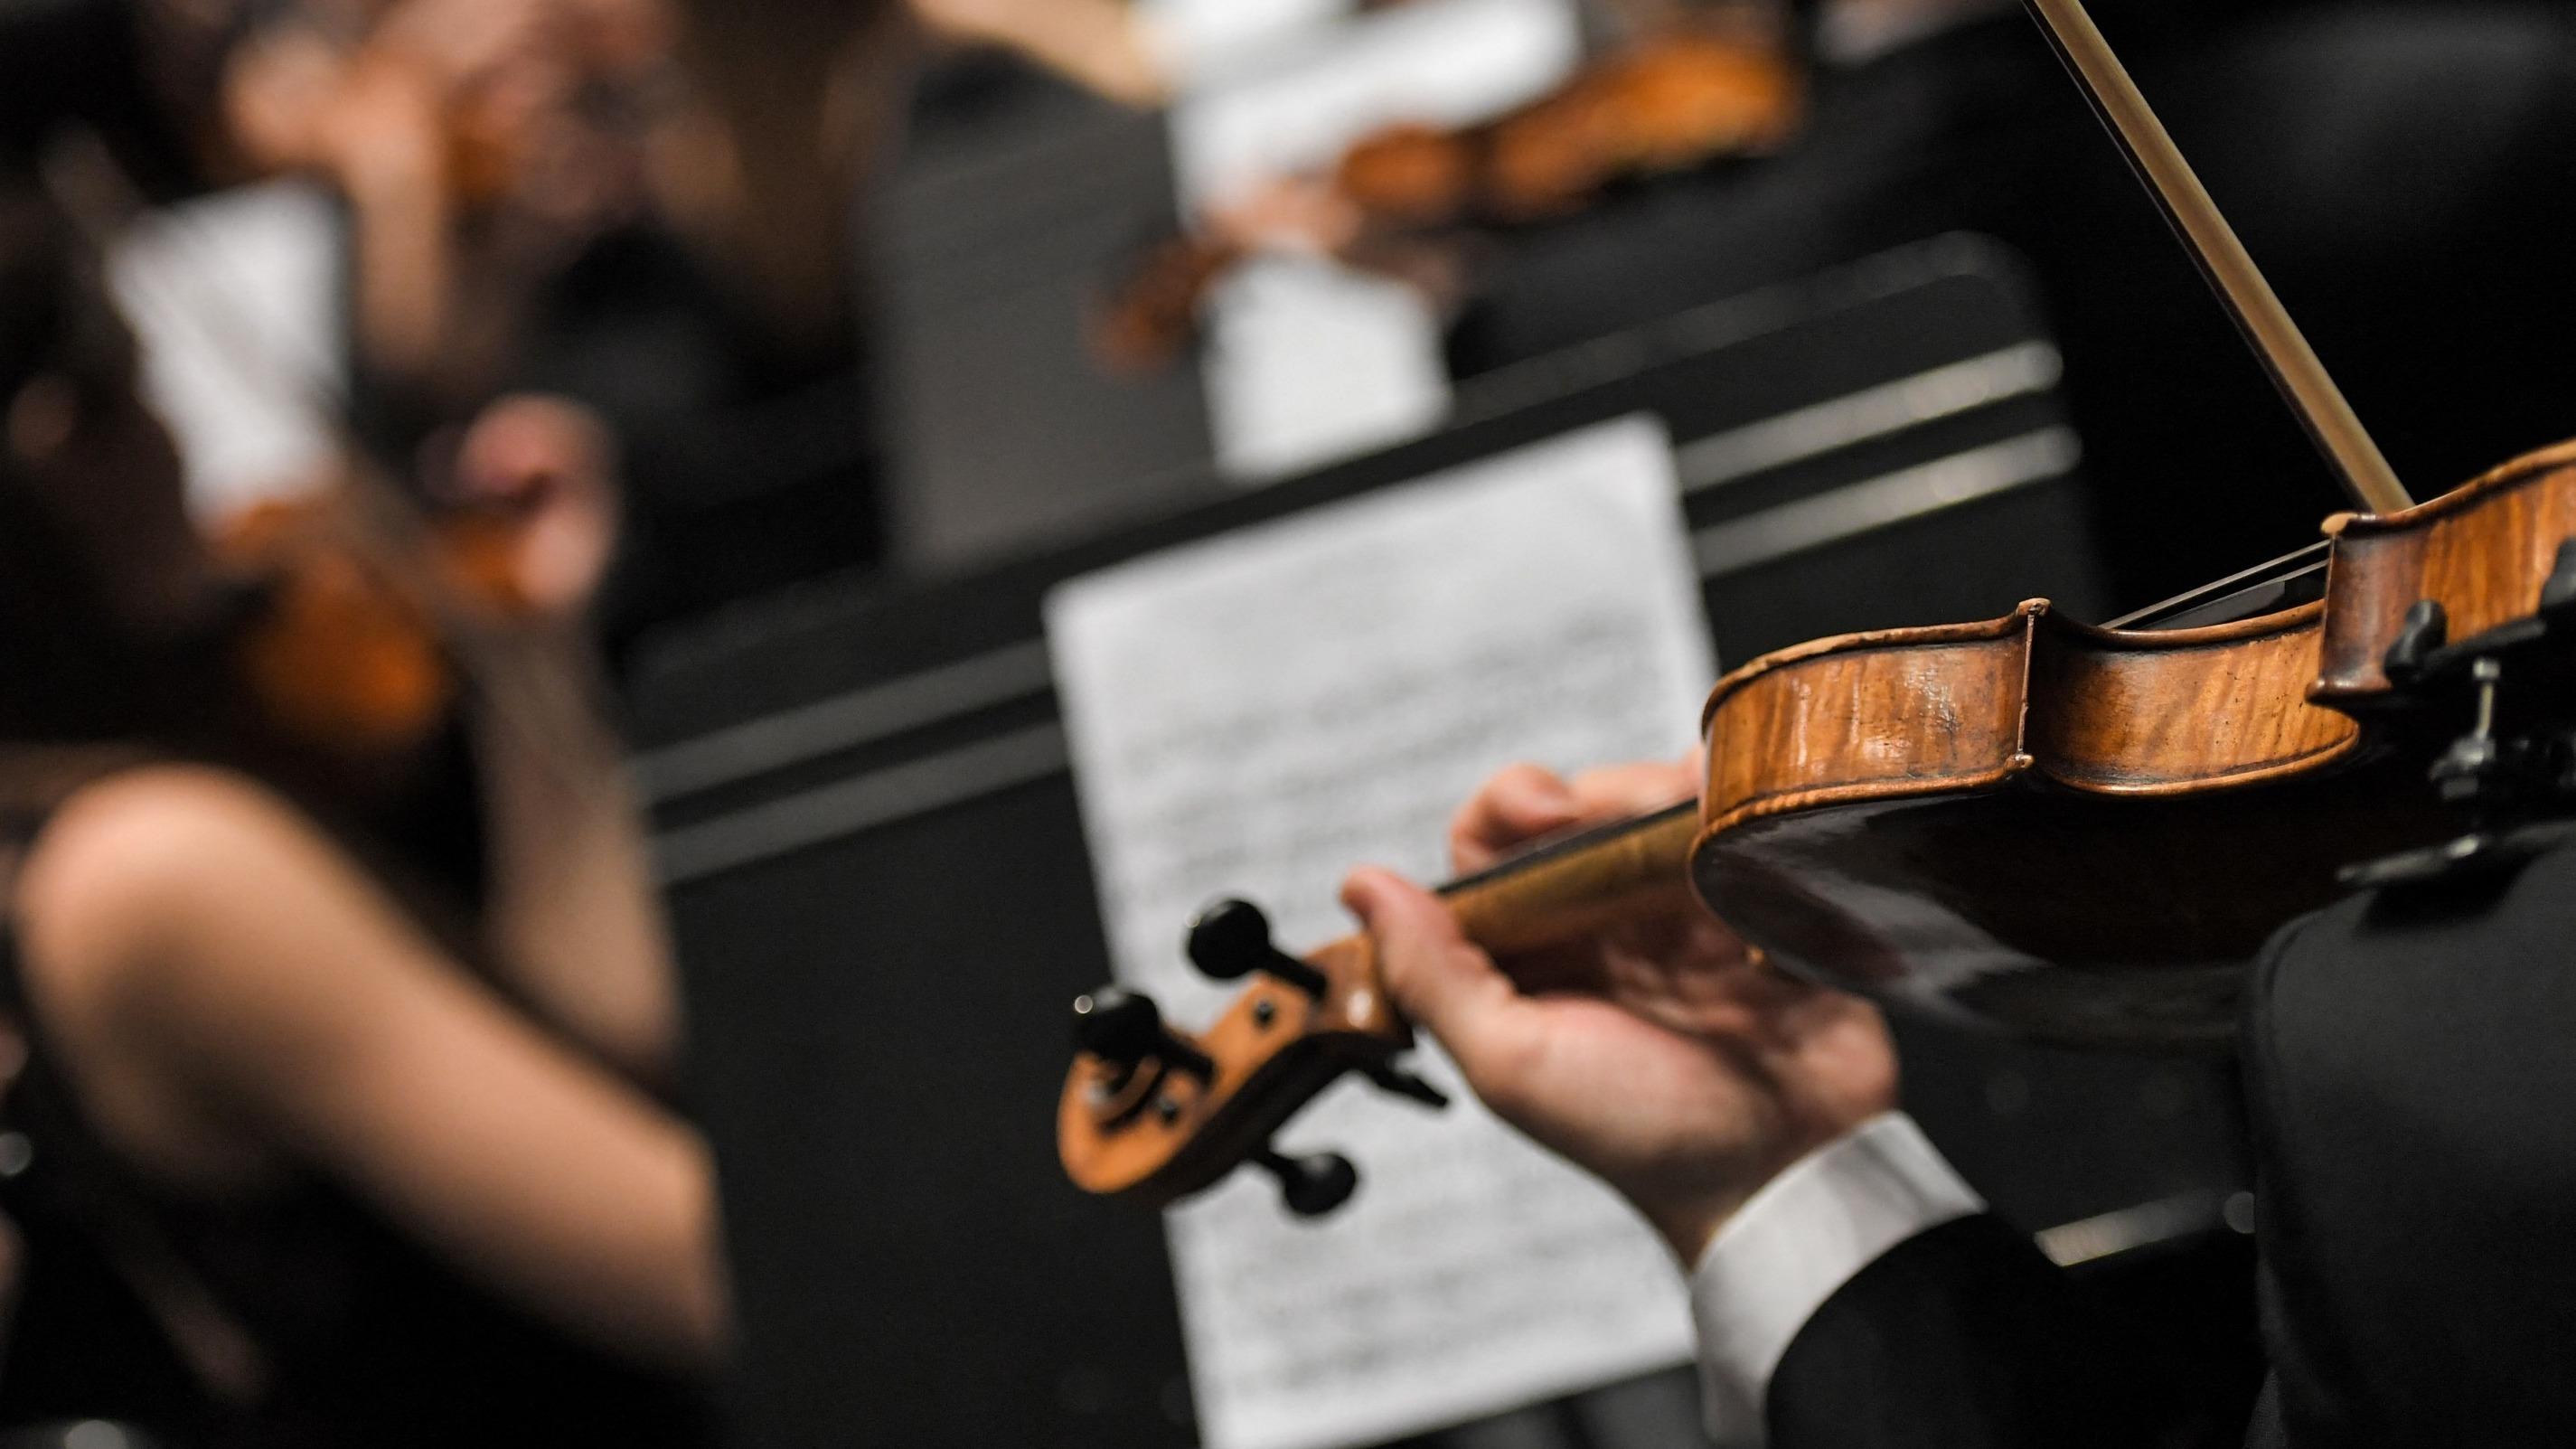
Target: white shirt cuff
x,y
1799,1239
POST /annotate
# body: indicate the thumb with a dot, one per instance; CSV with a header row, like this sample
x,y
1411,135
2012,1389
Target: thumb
x,y
1433,973
528,444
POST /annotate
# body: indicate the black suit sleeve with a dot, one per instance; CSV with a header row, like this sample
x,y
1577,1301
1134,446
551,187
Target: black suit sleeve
x,y
1965,1337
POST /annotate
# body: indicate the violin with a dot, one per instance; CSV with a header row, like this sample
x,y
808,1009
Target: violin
x,y
1927,817
1679,99
352,651
1924,817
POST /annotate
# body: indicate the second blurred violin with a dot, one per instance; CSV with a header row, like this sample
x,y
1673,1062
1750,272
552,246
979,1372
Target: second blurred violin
x,y
375,614
346,655
1676,99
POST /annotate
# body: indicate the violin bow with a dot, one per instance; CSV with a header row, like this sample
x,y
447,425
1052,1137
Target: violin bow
x,y
2249,300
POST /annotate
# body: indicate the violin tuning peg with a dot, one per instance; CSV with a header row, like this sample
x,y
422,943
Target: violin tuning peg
x,y
1402,1083
1313,1185
1231,939
1116,1024
1125,1028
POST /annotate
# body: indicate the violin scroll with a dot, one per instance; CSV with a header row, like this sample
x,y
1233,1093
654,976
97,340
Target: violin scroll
x,y
1153,1113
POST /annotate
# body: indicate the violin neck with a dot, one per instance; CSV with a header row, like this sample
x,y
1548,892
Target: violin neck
x,y
1569,887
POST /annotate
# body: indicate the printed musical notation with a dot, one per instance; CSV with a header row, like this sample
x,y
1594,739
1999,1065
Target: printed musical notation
x,y
1257,713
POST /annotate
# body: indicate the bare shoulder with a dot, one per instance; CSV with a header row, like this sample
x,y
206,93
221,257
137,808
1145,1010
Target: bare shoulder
x,y
139,911
125,843
124,864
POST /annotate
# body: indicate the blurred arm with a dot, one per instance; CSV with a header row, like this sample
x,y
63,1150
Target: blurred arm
x,y
216,972
574,915
575,918
386,151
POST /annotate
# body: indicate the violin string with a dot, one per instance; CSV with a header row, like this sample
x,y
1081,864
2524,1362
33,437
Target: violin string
x,y
2267,574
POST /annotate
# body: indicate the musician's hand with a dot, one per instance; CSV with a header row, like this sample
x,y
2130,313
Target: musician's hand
x,y
382,137
551,463
1663,1056
279,87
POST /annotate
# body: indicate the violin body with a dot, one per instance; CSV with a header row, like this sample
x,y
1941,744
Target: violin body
x,y
2080,834
1666,103
349,653
1669,104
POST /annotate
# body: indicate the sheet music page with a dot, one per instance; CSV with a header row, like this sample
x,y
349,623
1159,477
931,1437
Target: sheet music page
x,y
1307,361
1253,715
236,299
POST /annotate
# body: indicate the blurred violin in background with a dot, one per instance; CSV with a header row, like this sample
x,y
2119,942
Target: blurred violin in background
x,y
1711,87
345,655
374,612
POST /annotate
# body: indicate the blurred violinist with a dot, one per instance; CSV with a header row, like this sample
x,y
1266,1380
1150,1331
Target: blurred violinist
x,y
480,145
644,206
336,1120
